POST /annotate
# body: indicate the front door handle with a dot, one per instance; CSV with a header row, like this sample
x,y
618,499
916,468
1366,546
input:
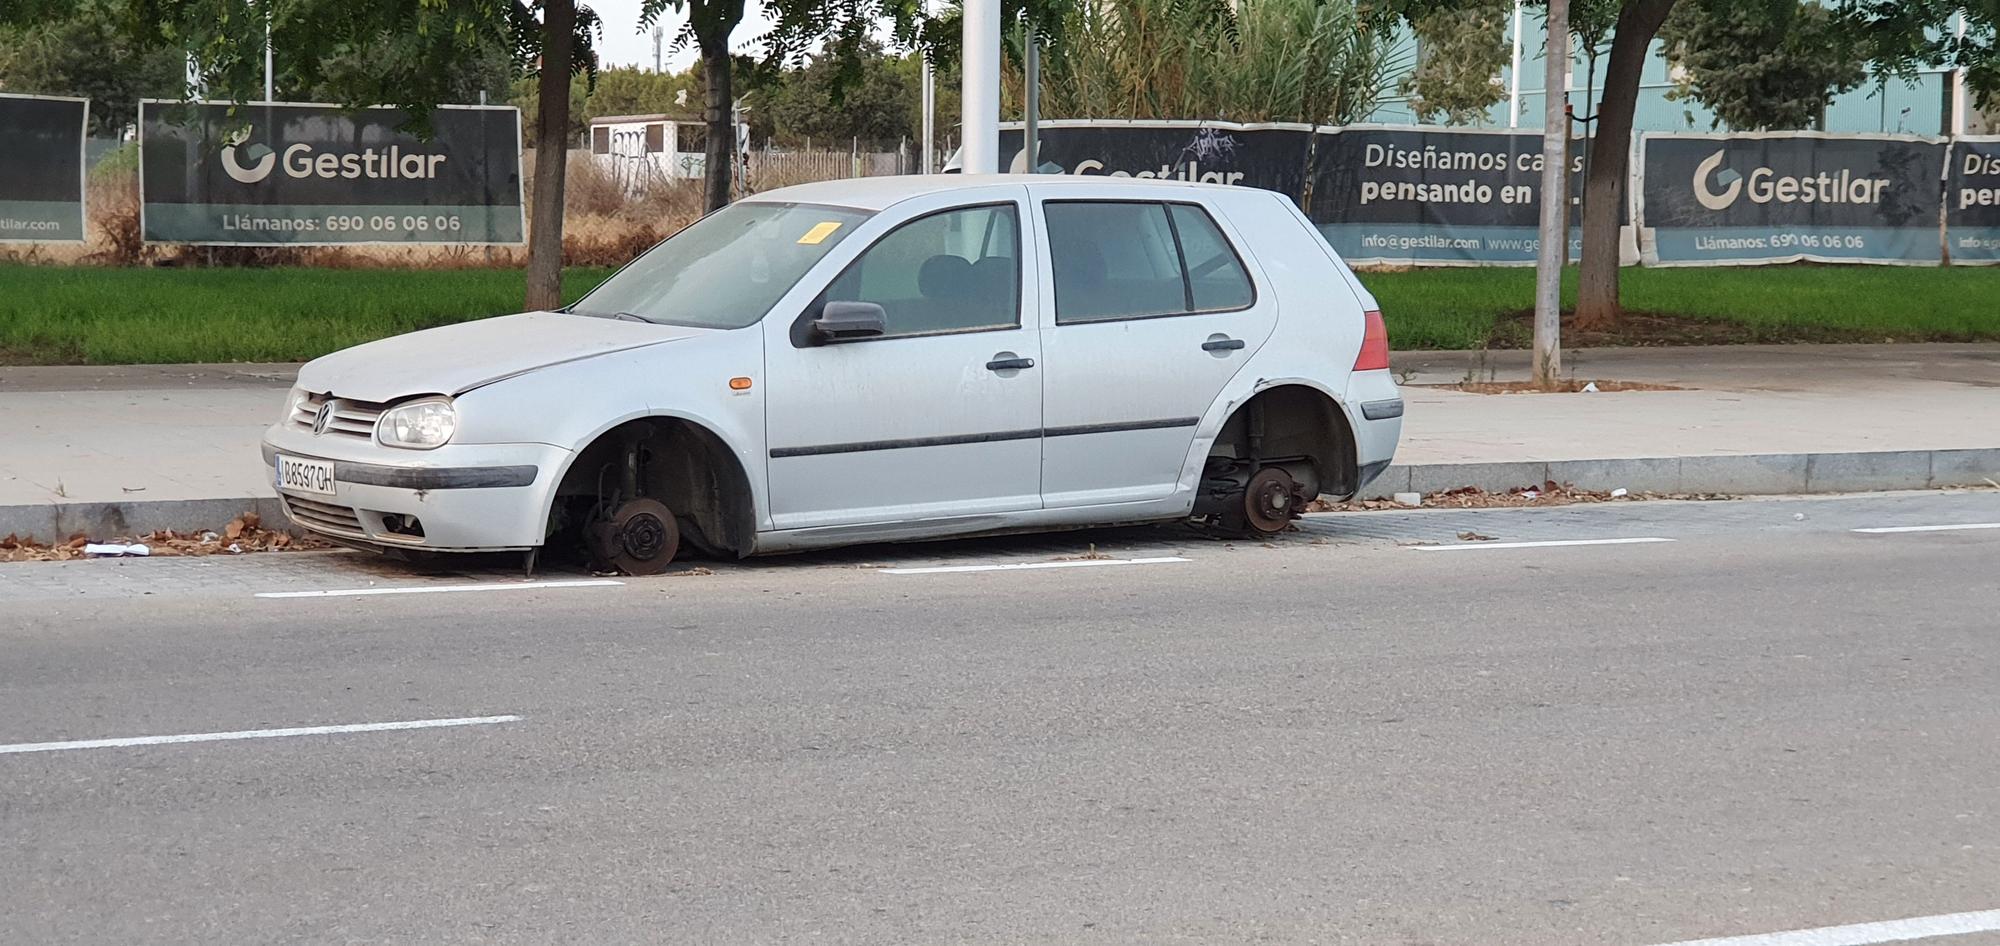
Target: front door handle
x,y
1009,363
1222,343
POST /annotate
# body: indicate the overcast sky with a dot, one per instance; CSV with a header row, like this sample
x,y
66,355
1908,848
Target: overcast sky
x,y
624,45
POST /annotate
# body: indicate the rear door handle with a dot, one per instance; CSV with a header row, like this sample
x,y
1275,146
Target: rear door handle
x,y
1222,344
1010,364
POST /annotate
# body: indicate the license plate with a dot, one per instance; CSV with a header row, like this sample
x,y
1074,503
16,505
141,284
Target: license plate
x,y
305,476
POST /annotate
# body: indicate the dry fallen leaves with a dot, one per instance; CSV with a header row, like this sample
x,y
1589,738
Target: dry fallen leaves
x,y
243,534
1571,386
1471,497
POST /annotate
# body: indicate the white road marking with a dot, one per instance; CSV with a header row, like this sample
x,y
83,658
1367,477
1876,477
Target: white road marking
x,y
1967,525
1462,546
1866,934
437,589
1024,566
254,734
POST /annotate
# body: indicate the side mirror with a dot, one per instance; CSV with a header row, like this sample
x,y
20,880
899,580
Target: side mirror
x,y
843,320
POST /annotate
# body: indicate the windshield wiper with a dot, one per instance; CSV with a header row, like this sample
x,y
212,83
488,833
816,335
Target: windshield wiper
x,y
622,316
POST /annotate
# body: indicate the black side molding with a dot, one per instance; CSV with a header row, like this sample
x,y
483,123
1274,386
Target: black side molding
x,y
865,446
1166,423
439,477
1382,410
820,450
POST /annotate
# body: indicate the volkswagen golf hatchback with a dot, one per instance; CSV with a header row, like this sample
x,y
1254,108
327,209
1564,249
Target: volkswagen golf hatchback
x,y
871,360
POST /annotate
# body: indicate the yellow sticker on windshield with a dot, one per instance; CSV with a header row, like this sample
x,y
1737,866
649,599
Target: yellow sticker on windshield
x,y
819,233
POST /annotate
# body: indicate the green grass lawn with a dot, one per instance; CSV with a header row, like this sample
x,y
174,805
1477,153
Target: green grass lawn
x,y
80,315
1469,308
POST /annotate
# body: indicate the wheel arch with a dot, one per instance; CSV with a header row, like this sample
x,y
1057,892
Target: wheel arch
x,y
709,485
1302,418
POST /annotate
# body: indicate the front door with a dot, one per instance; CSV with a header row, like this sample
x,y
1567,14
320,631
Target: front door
x,y
940,416
1153,312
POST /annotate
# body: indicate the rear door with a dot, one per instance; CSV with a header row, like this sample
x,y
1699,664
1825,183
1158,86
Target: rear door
x,y
1149,310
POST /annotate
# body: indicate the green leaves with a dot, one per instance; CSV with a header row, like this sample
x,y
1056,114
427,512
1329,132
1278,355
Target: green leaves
x,y
1767,64
1262,60
1461,52
415,54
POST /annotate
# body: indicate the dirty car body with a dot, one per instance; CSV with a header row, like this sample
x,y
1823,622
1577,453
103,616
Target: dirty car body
x,y
882,359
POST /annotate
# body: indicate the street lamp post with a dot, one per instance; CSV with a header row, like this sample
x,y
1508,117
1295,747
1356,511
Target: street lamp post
x,y
980,89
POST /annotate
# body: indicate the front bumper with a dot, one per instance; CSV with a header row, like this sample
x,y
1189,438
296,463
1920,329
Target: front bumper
x,y
465,497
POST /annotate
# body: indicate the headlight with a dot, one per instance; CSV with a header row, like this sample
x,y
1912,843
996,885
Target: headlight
x,y
418,425
294,402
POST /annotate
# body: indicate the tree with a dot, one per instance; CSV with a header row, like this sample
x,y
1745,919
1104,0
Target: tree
x,y
1460,51
88,54
1767,64
811,102
1899,36
525,93
842,26
628,90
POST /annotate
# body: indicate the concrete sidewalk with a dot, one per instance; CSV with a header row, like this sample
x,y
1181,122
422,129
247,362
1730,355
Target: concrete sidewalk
x,y
128,449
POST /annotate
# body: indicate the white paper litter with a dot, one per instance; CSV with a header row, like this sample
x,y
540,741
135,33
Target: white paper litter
x,y
113,549
1616,493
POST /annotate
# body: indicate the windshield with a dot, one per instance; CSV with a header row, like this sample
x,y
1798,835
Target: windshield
x,y
727,269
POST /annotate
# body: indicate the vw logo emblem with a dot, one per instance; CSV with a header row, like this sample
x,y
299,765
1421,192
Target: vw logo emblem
x,y
323,418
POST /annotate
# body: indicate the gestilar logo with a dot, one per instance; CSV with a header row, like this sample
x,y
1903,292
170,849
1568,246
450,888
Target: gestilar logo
x,y
300,161
260,167
1764,185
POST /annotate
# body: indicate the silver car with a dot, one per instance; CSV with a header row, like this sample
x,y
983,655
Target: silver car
x,y
871,360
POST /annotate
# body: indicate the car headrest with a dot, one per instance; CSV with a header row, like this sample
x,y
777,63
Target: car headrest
x,y
944,276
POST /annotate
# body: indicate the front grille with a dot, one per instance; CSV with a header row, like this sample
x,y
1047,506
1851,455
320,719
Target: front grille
x,y
326,517
350,418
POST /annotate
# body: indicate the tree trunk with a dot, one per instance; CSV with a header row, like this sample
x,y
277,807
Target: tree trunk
x,y
551,156
1610,156
720,117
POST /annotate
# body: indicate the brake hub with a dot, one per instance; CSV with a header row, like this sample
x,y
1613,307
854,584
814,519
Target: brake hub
x,y
640,538
1270,501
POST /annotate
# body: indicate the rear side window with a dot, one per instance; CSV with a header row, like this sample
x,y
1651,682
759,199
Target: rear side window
x,y
1216,280
1116,260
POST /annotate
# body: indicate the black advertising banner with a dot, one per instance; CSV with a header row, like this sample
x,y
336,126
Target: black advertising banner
x,y
1271,157
314,175
1972,201
1779,197
1380,194
1402,194
41,168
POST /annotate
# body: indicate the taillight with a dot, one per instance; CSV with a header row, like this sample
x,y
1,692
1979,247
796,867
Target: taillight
x,y
1374,345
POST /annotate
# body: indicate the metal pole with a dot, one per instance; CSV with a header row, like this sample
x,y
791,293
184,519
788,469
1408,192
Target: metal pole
x,y
1031,145
1514,74
1959,103
267,58
926,150
980,91
1555,201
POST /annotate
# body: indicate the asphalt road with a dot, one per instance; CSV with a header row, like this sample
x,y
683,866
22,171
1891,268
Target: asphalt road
x,y
1770,723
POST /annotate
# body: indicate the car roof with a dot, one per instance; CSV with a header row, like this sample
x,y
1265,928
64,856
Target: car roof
x,y
879,193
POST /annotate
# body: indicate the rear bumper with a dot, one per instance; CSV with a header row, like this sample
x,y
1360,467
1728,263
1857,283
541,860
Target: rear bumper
x,y
465,497
1375,411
